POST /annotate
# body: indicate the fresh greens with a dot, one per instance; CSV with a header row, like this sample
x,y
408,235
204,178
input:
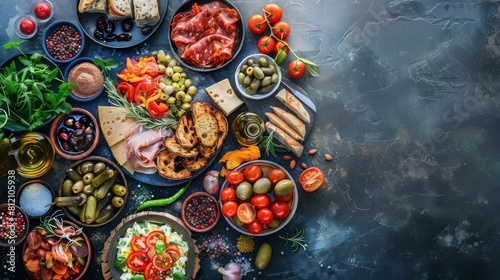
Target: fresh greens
x,y
26,93
296,240
268,145
120,263
106,65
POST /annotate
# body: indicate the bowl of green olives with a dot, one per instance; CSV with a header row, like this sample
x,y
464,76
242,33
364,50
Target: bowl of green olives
x,y
257,76
92,192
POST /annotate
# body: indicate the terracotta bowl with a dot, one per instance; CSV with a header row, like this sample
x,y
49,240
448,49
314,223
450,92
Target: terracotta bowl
x,y
120,179
34,198
6,209
190,212
59,124
88,258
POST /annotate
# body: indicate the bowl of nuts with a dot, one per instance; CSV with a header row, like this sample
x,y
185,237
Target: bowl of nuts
x,y
76,135
257,76
63,41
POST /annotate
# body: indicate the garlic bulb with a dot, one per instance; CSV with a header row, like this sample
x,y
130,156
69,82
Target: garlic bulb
x,y
232,271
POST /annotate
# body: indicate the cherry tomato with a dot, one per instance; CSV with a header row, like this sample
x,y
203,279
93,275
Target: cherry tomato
x,y
280,209
265,44
275,175
139,243
27,26
283,45
252,173
296,68
228,194
281,30
246,213
255,227
154,236
257,24
163,262
137,261
174,251
285,198
229,208
42,10
261,201
273,12
311,179
234,177
152,273
265,215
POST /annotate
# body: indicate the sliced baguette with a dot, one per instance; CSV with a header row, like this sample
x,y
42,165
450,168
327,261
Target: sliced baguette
x,y
99,7
291,120
207,129
285,139
185,133
276,120
146,12
194,164
83,5
166,163
294,104
173,147
120,8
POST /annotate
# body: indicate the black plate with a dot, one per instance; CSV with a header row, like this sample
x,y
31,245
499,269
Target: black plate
x,y
238,44
88,23
157,219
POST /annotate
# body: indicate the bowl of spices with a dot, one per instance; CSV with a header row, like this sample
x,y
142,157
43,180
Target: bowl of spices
x,y
200,212
14,225
75,135
63,41
87,79
35,198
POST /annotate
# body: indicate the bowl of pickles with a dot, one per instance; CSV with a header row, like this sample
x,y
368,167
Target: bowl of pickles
x,y
92,192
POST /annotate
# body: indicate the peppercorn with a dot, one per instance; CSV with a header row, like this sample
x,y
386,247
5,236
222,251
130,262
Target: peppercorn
x,y
201,212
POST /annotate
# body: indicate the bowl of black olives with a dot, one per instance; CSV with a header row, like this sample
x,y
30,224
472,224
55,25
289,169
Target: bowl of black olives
x,y
75,135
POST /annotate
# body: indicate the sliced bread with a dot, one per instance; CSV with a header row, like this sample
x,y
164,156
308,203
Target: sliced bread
x,y
185,133
207,129
166,163
99,7
275,119
119,9
285,139
291,120
172,146
146,12
294,104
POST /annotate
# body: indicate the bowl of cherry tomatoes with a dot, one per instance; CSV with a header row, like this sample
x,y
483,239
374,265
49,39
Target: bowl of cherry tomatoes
x,y
258,198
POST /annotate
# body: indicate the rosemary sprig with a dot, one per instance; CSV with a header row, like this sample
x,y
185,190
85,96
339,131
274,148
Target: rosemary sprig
x,y
138,112
296,240
268,145
50,223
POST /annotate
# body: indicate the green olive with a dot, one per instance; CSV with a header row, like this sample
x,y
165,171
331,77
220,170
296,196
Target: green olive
x,y
119,190
180,95
263,61
249,71
244,190
117,201
192,90
284,187
262,185
88,177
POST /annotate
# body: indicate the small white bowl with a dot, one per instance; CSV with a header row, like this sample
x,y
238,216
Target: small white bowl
x,y
242,89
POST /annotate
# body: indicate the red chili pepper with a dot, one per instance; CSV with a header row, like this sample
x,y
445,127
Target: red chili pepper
x,y
156,110
127,90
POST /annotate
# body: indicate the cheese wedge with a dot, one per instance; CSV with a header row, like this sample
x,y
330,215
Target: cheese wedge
x,y
118,151
113,123
224,96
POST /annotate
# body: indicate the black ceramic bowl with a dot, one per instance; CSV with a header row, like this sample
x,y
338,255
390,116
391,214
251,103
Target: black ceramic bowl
x,y
239,37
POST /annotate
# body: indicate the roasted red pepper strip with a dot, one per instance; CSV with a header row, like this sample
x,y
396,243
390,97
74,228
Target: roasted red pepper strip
x,y
127,90
146,87
156,110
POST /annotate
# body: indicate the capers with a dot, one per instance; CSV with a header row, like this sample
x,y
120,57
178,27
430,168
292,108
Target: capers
x,y
258,75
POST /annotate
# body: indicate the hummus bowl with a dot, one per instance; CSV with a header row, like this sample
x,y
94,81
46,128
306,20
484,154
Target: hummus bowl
x,y
87,79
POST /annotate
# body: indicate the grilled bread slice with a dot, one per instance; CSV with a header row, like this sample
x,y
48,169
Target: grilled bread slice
x,y
194,164
119,9
185,133
200,107
207,129
146,12
173,147
166,163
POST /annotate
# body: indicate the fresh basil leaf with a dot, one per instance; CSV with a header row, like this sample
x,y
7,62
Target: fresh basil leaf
x,y
120,263
178,276
13,44
137,277
160,247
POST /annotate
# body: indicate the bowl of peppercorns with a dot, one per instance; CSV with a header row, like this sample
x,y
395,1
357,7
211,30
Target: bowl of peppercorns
x,y
14,225
75,135
63,41
200,212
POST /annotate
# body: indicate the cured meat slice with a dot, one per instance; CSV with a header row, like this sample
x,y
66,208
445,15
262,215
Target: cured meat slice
x,y
188,28
210,51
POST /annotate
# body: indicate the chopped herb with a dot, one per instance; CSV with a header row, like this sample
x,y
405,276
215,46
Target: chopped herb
x,y
296,240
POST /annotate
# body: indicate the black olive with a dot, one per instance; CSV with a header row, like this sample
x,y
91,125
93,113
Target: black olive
x,y
84,120
146,30
62,129
98,34
89,138
100,24
110,27
127,24
124,37
109,37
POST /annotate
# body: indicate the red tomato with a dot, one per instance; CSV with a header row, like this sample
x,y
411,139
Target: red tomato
x,y
152,273
154,236
174,251
228,194
296,68
281,30
42,10
285,198
265,215
139,243
252,173
234,177
137,261
280,209
246,213
255,227
27,26
261,201
266,44
273,12
311,179
275,175
283,46
257,24
229,208
163,262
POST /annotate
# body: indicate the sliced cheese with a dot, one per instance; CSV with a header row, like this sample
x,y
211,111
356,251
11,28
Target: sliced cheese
x,y
118,150
113,123
224,96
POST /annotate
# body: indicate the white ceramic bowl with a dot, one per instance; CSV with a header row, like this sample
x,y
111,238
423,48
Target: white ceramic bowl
x,y
241,88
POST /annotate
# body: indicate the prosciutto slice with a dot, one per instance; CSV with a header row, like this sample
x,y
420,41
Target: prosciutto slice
x,y
205,35
141,147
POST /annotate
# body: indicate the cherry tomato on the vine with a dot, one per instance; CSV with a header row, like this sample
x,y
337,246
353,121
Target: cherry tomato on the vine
x,y
281,30
283,45
252,173
229,208
255,227
228,194
296,68
273,12
257,24
266,44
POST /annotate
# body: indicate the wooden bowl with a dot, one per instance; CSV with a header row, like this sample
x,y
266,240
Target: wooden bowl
x,y
200,201
7,208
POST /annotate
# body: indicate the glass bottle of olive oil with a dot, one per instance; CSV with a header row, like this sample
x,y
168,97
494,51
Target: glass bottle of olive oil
x,y
34,154
247,128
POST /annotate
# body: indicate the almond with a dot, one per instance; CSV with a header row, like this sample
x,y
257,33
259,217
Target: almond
x,y
328,157
292,164
287,157
313,151
303,165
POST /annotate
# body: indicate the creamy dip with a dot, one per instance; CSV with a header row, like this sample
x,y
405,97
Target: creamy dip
x,y
87,79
